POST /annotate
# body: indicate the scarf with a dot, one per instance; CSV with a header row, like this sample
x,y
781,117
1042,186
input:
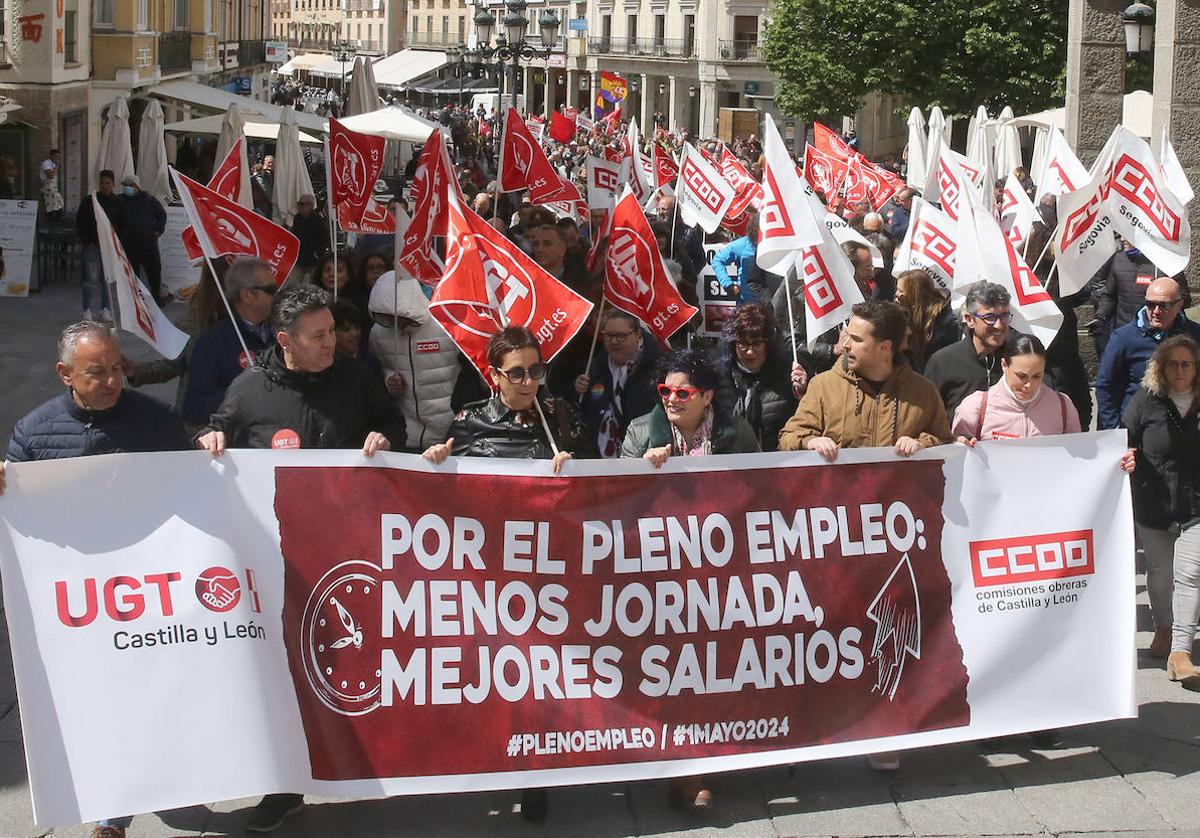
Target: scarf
x,y
701,442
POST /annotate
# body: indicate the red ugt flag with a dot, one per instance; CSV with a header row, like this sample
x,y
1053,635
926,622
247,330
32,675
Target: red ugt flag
x,y
226,228
355,161
227,181
636,279
828,141
490,283
432,182
824,172
523,164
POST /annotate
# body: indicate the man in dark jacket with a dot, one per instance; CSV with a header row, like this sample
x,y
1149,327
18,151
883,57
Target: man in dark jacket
x,y
96,415
303,396
219,356
145,221
1120,292
974,362
620,385
95,289
1130,347
313,232
300,395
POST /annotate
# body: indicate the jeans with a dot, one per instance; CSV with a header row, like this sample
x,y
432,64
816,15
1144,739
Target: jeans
x,y
1187,590
93,279
1159,548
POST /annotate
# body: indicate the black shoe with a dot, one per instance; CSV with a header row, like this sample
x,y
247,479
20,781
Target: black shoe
x,y
272,810
534,805
1046,740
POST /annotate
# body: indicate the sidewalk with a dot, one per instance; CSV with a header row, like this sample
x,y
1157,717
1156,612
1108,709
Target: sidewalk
x,y
1139,777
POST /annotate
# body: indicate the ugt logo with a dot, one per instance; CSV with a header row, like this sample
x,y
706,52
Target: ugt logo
x,y
349,170
629,261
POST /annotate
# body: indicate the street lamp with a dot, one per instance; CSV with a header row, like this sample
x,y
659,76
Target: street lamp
x,y
510,44
343,51
1139,28
458,56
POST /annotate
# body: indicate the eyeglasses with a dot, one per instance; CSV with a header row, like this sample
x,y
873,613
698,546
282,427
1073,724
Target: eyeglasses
x,y
1154,305
617,337
519,374
665,391
1180,365
1004,317
750,345
266,289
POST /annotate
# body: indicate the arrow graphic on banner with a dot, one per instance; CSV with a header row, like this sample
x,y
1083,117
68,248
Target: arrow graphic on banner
x,y
896,612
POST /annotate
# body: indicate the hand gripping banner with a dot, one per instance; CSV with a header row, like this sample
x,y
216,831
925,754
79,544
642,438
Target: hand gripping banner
x,y
484,625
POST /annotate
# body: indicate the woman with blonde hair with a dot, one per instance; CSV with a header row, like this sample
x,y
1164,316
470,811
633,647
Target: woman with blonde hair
x,y
1164,431
931,321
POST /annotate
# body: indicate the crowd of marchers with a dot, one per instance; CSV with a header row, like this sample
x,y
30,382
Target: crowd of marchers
x,y
345,354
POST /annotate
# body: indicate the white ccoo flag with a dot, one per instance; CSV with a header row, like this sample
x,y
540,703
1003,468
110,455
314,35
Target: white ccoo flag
x,y
785,221
701,192
140,315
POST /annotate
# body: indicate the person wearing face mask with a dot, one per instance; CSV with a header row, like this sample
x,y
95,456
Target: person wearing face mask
x,y
1164,431
1019,405
145,222
755,373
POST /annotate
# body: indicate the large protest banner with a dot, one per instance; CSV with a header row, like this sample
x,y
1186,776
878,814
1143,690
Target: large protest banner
x,y
187,630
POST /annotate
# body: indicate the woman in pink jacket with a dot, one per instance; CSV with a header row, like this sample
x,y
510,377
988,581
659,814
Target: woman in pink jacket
x,y
1018,405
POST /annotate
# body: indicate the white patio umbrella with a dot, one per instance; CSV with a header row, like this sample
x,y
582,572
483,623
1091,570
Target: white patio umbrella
x,y
291,175
937,124
917,163
1008,145
152,153
116,146
233,131
977,147
1041,146
364,94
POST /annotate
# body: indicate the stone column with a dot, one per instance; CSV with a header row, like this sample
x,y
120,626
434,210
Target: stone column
x,y
550,79
708,108
644,95
1095,73
1177,95
593,92
672,103
572,88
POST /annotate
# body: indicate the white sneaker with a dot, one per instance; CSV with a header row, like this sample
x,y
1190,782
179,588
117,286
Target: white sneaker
x,y
886,762
87,314
106,315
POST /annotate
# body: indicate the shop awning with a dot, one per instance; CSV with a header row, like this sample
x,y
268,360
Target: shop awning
x,y
400,68
220,101
254,130
320,64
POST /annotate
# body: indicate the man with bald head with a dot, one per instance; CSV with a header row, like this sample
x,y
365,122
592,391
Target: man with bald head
x,y
1130,347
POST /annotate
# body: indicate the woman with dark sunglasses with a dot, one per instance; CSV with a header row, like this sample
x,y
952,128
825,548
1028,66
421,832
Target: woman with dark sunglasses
x,y
687,422
507,425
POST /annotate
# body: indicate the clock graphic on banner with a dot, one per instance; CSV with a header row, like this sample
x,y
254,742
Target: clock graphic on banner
x,y
340,633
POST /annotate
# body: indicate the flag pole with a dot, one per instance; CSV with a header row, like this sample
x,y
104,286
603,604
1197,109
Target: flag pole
x,y
332,217
536,402
787,287
1049,241
595,339
232,315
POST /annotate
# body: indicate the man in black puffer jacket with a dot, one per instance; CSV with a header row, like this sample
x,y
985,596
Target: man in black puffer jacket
x,y
299,395
96,415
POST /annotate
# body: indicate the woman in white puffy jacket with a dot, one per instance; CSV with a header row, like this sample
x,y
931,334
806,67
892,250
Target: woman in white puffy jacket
x,y
420,362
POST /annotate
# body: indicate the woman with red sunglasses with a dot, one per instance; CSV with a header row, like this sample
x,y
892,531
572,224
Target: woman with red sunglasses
x,y
686,422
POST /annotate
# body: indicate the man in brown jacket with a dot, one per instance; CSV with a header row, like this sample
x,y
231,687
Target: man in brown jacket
x,y
868,400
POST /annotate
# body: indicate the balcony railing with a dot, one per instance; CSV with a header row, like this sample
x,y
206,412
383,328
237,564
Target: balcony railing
x,y
311,43
431,39
740,50
251,53
649,47
175,51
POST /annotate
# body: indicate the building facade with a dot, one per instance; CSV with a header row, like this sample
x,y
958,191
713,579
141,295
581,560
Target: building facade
x,y
66,61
